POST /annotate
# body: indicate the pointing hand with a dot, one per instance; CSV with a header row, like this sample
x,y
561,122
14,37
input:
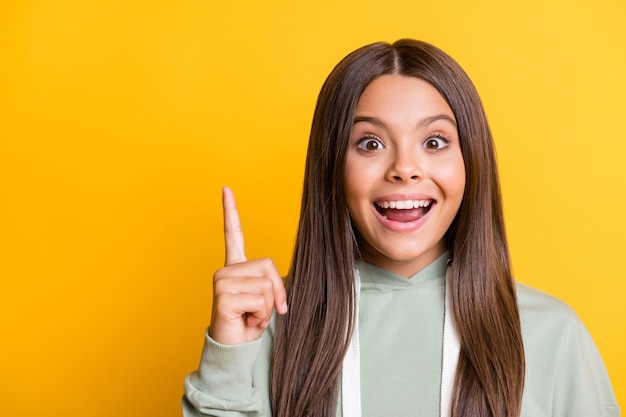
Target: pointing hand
x,y
245,293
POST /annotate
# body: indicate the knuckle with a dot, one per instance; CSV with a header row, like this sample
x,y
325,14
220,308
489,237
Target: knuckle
x,y
258,304
221,305
266,284
267,263
219,284
220,274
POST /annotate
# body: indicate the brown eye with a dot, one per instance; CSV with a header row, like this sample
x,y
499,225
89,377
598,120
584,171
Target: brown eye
x,y
435,143
370,144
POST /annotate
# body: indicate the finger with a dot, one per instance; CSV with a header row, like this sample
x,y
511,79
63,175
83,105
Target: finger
x,y
261,276
233,235
234,307
235,288
280,296
239,318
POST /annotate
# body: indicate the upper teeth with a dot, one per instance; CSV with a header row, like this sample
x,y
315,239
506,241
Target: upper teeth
x,y
404,204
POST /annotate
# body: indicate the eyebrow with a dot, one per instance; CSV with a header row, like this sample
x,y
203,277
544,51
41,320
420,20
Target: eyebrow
x,y
424,122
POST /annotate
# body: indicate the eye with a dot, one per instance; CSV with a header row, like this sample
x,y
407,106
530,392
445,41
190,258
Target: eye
x,y
435,143
370,143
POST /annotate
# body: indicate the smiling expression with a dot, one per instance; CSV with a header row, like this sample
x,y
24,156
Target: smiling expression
x,y
404,174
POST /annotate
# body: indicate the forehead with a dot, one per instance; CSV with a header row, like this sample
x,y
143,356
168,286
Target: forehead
x,y
393,94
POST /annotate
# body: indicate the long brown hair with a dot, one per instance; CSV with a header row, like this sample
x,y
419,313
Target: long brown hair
x,y
311,340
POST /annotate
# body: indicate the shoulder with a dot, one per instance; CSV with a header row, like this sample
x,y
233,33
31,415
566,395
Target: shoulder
x,y
545,318
554,335
551,329
564,370
534,302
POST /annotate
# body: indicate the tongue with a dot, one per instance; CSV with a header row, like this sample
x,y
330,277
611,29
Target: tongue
x,y
403,216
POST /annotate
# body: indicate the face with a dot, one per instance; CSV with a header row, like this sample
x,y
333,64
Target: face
x,y
405,176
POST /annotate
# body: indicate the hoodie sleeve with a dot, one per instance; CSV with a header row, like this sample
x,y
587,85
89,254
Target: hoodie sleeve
x,y
229,381
565,374
582,385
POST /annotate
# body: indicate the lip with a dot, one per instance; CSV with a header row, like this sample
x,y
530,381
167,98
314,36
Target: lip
x,y
403,227
396,197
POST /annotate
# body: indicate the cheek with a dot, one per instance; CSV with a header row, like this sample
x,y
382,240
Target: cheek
x,y
358,176
457,181
451,180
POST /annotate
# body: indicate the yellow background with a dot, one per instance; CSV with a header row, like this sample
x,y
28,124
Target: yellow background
x,y
121,120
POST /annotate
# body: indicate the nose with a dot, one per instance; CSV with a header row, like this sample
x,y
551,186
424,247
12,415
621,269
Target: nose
x,y
406,166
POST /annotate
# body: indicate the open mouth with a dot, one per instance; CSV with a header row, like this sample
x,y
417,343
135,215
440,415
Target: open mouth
x,y
404,211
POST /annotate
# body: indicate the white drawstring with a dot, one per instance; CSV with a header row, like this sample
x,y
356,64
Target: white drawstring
x,y
351,370
450,357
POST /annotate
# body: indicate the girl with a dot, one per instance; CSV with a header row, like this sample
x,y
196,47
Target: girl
x,y
399,299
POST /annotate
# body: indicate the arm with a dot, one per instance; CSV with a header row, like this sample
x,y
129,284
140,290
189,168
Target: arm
x,y
565,375
223,386
582,386
230,381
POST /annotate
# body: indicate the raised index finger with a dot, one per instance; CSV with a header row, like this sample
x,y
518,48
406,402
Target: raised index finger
x,y
233,235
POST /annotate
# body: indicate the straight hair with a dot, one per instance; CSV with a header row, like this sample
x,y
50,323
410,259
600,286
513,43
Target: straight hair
x,y
312,338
